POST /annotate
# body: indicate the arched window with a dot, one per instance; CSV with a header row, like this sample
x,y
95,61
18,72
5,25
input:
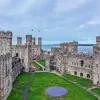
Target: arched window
x,y
88,76
6,70
98,82
82,62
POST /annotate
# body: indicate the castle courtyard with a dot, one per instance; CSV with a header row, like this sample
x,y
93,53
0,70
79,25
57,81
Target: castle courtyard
x,y
40,82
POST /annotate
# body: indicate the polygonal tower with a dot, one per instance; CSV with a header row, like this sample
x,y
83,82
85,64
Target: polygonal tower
x,y
40,42
33,41
5,64
96,66
28,53
19,41
28,39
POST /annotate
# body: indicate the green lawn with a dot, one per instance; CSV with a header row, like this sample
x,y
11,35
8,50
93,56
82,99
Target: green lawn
x,y
38,66
22,85
44,80
23,77
96,90
42,62
85,82
15,95
22,81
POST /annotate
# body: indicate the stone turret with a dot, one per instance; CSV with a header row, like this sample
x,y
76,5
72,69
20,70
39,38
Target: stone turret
x,y
69,47
40,42
28,53
5,42
98,41
19,41
33,41
6,64
28,39
96,68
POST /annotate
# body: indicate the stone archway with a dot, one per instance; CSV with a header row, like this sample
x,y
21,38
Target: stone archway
x,y
81,74
98,83
88,75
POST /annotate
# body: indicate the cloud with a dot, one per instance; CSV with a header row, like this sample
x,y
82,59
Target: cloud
x,y
95,21
56,19
63,6
13,7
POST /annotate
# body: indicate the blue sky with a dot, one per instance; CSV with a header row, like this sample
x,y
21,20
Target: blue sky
x,y
57,20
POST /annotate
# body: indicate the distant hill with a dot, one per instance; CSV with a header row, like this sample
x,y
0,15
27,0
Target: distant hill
x,y
78,44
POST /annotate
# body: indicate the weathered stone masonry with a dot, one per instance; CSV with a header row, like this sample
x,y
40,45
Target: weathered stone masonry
x,y
68,60
15,59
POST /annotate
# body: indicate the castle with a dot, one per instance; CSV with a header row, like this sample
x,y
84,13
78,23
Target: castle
x,y
15,59
67,59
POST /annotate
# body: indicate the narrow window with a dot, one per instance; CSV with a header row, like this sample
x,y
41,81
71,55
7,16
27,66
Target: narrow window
x,y
81,74
82,62
88,76
16,54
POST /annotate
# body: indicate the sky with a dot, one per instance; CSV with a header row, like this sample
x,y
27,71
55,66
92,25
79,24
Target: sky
x,y
58,20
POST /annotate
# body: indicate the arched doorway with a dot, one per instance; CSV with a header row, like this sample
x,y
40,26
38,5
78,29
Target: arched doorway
x,y
75,73
81,74
88,75
98,83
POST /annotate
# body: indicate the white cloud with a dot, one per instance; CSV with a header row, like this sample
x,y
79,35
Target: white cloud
x,y
82,26
68,5
13,7
92,22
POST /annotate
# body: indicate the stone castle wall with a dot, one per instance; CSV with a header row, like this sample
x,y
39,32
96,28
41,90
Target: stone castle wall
x,y
86,65
14,59
5,64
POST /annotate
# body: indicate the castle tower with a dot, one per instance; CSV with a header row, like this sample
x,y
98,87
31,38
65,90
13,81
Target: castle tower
x,y
96,66
33,41
5,64
19,41
40,42
5,42
98,41
28,53
28,39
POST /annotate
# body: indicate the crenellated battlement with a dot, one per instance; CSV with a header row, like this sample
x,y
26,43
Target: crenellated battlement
x,y
98,39
74,43
82,55
5,34
19,40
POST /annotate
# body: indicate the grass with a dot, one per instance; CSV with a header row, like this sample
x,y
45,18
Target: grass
x,y
36,65
85,82
42,62
22,81
23,77
44,80
96,90
15,95
22,86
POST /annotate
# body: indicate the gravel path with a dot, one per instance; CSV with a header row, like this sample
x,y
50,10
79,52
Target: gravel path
x,y
28,86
